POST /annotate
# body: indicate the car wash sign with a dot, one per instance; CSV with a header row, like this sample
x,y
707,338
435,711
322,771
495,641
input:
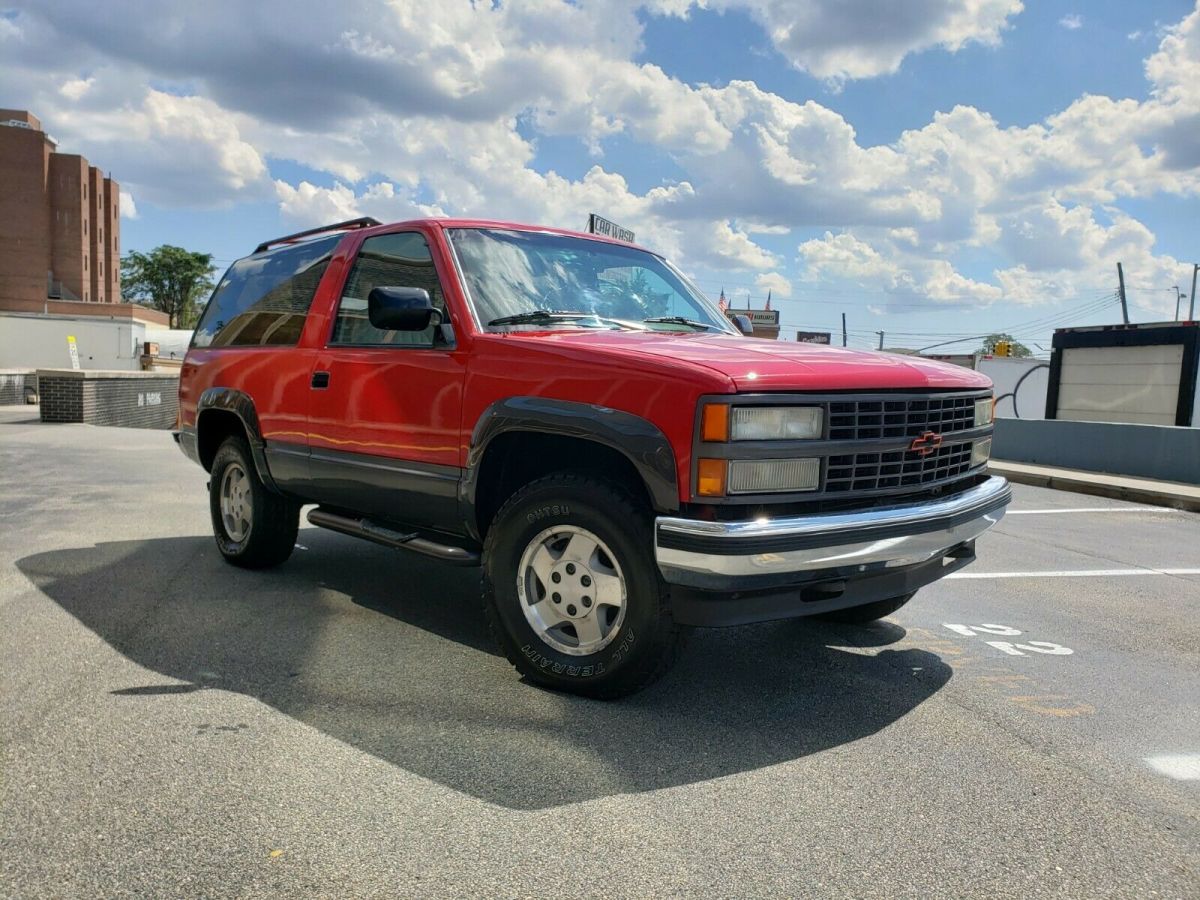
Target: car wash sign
x,y
601,226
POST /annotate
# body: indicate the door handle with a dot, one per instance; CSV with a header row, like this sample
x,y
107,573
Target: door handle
x,y
320,380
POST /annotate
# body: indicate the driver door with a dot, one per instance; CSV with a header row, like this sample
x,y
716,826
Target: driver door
x,y
386,406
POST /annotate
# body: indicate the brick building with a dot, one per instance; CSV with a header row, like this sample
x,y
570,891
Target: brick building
x,y
59,222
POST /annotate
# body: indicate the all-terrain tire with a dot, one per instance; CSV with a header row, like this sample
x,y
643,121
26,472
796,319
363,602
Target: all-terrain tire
x,y
643,640
868,612
270,520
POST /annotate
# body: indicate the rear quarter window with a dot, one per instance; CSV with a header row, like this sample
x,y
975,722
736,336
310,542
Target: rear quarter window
x,y
264,299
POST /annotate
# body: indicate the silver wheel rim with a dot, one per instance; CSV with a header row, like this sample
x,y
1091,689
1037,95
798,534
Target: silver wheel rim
x,y
236,506
572,590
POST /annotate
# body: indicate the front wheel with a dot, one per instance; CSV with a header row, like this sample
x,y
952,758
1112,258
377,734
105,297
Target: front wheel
x,y
254,527
571,590
868,612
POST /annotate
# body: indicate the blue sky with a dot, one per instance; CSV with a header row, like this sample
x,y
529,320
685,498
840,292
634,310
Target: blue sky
x,y
933,169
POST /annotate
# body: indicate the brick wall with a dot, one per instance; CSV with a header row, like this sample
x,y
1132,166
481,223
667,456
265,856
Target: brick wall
x,y
129,400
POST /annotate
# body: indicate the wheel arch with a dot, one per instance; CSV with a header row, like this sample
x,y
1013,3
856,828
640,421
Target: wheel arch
x,y
222,413
514,435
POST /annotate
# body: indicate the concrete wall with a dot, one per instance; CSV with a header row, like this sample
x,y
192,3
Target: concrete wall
x,y
1165,452
41,342
127,399
1006,373
16,386
172,342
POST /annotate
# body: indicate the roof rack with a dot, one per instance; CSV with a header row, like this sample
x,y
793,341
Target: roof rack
x,y
364,222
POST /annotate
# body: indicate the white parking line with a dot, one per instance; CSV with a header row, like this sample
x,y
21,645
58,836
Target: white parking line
x,y
1090,509
1180,766
1076,573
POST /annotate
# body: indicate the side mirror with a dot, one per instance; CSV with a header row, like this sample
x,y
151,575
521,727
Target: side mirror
x,y
743,325
401,309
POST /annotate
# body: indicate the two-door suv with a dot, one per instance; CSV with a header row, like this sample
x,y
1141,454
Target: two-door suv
x,y
570,413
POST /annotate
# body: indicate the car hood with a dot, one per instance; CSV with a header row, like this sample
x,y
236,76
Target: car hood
x,y
763,365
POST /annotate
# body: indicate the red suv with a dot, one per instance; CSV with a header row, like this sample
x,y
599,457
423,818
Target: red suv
x,y
572,414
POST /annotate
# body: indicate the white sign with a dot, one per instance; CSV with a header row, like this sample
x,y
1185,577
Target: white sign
x,y
151,399
756,316
73,350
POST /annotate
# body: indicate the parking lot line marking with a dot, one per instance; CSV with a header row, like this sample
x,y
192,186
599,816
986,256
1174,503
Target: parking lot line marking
x,y
1090,509
1076,573
1180,766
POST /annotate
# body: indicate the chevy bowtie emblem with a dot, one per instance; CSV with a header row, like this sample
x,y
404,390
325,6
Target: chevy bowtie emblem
x,y
926,443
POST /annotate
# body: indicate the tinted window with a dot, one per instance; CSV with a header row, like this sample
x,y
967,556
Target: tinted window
x,y
263,299
389,260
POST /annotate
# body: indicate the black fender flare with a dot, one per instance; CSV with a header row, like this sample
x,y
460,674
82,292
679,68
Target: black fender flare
x,y
239,403
637,439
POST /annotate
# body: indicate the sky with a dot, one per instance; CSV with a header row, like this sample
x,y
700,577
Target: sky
x,y
934,169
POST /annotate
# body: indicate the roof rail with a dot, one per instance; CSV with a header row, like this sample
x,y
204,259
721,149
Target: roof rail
x,y
364,222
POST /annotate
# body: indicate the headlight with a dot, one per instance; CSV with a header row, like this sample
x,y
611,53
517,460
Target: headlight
x,y
984,410
981,452
773,476
776,423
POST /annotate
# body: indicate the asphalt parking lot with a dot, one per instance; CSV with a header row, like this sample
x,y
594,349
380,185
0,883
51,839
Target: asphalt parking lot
x,y
172,726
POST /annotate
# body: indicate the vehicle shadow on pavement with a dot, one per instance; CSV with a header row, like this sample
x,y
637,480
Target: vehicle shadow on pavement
x,y
389,653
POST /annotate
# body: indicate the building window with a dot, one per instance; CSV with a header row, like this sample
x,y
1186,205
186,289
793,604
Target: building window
x,y
85,264
85,226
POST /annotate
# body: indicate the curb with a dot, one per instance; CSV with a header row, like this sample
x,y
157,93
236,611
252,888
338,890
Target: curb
x,y
1147,492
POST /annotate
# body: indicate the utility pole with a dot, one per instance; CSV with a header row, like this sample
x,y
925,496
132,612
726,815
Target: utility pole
x,y
880,333
1192,305
843,329
1121,293
1178,297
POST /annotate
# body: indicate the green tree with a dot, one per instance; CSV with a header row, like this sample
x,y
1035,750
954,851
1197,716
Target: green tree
x,y
169,279
1015,348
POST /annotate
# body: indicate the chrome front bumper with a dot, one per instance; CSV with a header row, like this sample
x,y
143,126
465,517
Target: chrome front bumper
x,y
770,552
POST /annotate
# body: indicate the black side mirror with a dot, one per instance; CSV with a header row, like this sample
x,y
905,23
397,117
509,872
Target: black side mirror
x,y
401,309
743,325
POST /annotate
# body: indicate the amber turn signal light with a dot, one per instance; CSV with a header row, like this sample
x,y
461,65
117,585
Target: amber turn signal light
x,y
714,425
710,477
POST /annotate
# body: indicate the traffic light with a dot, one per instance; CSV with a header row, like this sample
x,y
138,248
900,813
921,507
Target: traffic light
x,y
1003,348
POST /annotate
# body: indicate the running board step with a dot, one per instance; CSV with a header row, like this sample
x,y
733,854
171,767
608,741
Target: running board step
x,y
389,537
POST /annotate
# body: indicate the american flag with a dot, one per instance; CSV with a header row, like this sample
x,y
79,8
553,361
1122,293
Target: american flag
x,y
768,306
722,303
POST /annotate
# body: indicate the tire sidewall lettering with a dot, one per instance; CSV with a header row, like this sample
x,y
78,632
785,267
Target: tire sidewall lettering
x,y
545,512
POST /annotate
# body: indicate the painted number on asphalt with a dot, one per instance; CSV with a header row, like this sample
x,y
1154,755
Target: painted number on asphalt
x,y
1012,649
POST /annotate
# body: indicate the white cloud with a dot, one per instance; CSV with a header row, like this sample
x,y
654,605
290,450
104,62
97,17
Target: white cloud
x,y
774,282
128,207
423,110
1071,21
839,40
76,88
306,204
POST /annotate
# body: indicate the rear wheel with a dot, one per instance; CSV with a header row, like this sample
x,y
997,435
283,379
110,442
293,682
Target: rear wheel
x,y
254,527
571,590
868,612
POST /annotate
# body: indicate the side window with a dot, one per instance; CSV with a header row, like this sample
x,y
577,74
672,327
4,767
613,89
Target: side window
x,y
264,299
388,260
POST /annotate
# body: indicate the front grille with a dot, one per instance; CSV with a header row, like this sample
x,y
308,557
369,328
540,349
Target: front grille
x,y
856,420
898,469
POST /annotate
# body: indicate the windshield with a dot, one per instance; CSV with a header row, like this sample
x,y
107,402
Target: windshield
x,y
512,274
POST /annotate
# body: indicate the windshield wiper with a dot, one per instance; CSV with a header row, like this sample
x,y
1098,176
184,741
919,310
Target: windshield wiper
x,y
537,316
682,320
